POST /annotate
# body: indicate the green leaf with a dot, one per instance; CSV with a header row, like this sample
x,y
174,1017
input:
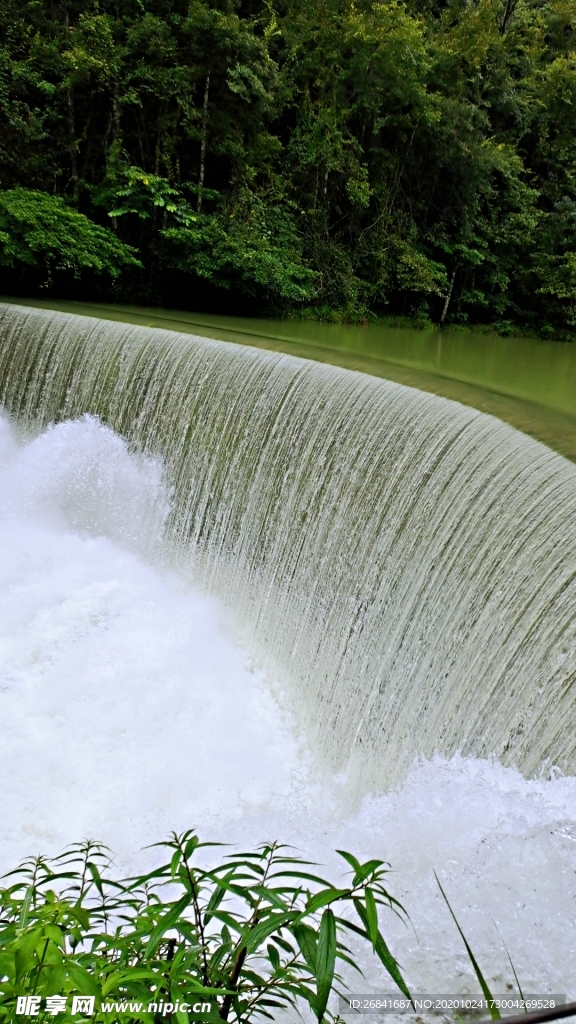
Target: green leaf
x,y
371,917
217,897
320,899
174,863
96,876
361,871
166,922
307,940
23,920
274,957
383,953
325,962
256,936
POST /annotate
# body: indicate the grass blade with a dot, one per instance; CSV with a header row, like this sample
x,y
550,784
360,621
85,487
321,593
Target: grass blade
x,y
516,979
494,1012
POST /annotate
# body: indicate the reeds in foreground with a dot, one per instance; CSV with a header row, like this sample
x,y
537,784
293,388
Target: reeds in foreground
x,y
258,932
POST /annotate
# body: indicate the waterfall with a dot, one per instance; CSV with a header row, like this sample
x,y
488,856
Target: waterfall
x,y
402,565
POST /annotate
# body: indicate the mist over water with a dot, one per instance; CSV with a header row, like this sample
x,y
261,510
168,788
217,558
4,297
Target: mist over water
x,y
127,709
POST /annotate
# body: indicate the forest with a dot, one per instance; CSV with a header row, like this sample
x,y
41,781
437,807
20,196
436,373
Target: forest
x,y
338,159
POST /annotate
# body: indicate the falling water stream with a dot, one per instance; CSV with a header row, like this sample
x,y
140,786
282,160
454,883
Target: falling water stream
x,y
353,573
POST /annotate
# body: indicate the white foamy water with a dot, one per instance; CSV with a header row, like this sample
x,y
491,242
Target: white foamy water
x,y
128,710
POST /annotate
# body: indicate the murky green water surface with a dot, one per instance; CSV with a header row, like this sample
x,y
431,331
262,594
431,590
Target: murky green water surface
x,y
528,383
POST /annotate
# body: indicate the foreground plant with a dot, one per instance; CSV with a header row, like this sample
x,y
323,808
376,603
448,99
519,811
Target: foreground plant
x,y
256,933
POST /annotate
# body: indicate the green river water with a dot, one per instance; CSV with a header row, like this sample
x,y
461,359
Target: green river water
x,y
528,383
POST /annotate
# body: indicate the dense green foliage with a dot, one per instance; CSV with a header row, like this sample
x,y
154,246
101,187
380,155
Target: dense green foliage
x,y
39,229
368,157
255,932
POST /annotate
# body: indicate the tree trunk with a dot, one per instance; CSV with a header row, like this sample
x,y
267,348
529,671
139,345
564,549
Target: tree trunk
x,y
203,143
113,129
447,299
72,143
509,9
73,146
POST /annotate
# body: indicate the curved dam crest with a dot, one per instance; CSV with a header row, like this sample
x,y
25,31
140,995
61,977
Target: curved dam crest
x,y
403,565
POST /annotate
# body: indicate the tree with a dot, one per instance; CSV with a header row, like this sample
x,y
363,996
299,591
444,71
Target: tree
x,y
375,156
37,229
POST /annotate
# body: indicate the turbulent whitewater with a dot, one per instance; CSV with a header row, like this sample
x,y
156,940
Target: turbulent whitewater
x,y
404,566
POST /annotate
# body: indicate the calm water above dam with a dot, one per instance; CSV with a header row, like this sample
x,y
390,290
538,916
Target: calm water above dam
x,y
528,383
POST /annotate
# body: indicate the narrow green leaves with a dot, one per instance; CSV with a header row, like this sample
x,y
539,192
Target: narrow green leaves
x,y
167,921
494,1012
325,962
248,936
382,951
307,940
371,917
